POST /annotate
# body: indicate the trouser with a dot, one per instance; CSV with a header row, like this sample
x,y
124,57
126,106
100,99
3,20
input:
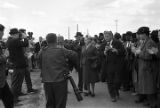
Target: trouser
x,y
56,94
33,61
27,77
6,96
113,89
17,78
113,83
80,79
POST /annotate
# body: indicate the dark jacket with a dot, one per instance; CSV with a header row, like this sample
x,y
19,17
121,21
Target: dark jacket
x,y
114,62
16,52
38,46
53,63
2,66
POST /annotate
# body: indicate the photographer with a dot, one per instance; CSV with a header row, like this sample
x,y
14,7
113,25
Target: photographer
x,y
28,53
53,67
16,44
5,92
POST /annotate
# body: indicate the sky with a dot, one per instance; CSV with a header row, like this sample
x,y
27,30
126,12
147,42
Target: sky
x,y
56,16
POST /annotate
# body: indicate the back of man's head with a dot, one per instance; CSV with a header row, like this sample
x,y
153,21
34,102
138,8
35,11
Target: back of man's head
x,y
51,38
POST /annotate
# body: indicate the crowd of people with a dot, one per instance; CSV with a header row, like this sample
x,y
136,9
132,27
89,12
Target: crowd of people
x,y
128,62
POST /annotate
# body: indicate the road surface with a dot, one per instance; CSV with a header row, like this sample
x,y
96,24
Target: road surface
x,y
101,100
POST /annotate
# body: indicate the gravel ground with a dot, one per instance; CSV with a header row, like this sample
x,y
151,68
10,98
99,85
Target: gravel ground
x,y
101,100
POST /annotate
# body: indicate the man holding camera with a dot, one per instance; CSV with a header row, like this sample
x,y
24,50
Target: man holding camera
x,y
53,67
16,44
114,52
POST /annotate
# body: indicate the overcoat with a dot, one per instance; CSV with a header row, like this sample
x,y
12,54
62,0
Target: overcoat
x,y
90,75
146,72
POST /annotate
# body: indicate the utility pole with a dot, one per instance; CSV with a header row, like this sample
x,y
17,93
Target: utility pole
x,y
116,21
87,32
68,32
77,28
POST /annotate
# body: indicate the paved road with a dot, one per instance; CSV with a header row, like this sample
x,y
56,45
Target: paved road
x,y
101,100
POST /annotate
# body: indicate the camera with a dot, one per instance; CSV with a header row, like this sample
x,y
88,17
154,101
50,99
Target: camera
x,y
67,76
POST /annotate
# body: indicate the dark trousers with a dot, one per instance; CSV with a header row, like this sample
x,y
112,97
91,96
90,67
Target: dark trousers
x,y
56,94
33,61
80,79
27,77
6,96
113,83
113,89
17,78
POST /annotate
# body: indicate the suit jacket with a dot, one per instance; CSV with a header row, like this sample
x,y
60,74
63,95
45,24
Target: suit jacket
x,y
114,61
16,52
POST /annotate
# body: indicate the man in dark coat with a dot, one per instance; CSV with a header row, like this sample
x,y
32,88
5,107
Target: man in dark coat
x,y
79,42
114,52
5,93
16,47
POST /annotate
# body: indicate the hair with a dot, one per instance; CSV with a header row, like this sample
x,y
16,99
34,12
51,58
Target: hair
x,y
117,36
101,34
2,27
51,38
124,37
60,40
154,36
108,32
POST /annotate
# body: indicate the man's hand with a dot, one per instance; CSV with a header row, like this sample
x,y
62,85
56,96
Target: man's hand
x,y
153,50
114,50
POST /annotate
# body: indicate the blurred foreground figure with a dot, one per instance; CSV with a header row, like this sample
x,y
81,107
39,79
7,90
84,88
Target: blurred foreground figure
x,y
53,67
5,92
16,44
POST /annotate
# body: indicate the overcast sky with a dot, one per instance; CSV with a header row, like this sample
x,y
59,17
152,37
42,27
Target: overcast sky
x,y
43,16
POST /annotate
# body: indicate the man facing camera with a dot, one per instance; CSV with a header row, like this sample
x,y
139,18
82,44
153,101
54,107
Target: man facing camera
x,y
114,52
53,67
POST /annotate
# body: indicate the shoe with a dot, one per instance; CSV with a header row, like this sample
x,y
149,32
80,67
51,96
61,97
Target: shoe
x,y
146,104
32,91
139,101
22,94
87,94
16,102
113,100
80,91
92,95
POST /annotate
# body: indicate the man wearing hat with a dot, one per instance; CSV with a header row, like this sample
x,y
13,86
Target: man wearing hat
x,y
79,42
16,45
146,76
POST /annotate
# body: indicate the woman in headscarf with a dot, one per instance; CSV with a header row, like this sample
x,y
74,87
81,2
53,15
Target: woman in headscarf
x,y
89,57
